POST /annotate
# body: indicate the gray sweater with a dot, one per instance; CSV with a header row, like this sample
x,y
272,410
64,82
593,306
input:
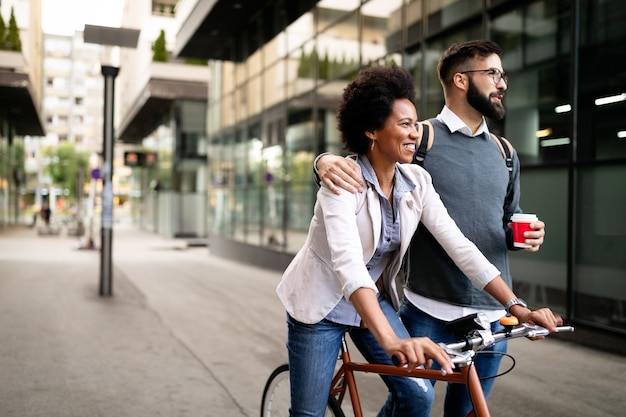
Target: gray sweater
x,y
471,176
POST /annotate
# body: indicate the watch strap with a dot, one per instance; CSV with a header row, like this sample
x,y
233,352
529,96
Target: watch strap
x,y
514,302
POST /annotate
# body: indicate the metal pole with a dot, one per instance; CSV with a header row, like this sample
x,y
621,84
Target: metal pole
x,y
106,231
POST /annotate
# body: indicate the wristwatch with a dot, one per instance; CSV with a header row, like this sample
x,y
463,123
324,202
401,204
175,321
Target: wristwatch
x,y
514,302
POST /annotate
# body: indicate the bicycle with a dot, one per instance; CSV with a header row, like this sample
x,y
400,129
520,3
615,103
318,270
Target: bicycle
x,y
477,336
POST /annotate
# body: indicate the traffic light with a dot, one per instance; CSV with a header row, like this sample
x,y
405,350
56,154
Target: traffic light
x,y
132,159
150,159
140,159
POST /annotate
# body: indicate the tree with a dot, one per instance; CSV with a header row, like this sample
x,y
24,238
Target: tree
x,y
65,165
3,29
160,53
12,40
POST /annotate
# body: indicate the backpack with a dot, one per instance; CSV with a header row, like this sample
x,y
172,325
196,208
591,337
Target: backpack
x,y
425,130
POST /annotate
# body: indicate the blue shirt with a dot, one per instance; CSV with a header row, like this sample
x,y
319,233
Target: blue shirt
x,y
389,242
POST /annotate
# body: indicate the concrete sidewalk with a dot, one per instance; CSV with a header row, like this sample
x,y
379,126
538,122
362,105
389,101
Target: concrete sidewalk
x,y
188,334
65,351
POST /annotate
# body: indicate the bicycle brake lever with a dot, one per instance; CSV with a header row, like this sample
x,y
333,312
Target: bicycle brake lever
x,y
462,358
535,331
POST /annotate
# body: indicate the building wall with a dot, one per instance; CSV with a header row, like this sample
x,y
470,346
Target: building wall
x,y
270,115
28,17
169,199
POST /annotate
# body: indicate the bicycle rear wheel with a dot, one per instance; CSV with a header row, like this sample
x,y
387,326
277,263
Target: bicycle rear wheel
x,y
277,399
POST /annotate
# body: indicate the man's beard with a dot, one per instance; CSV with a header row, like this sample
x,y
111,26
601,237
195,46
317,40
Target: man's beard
x,y
483,104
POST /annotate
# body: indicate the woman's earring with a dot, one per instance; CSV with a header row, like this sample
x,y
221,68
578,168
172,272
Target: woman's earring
x,y
373,142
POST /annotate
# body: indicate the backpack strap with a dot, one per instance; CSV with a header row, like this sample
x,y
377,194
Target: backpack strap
x,y
506,149
425,131
426,135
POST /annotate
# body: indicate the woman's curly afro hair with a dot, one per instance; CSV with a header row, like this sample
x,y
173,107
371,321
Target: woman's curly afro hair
x,y
368,101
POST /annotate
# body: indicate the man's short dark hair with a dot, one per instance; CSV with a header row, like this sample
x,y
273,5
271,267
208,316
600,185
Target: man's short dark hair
x,y
455,58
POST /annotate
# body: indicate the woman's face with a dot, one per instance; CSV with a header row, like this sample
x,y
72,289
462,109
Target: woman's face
x,y
397,139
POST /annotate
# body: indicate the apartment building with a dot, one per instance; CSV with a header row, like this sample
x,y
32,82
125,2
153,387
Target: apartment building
x,y
73,92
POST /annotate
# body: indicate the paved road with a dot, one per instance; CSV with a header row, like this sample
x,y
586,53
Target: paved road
x,y
188,334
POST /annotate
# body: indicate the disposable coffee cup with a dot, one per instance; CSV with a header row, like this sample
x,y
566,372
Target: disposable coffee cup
x,y
520,223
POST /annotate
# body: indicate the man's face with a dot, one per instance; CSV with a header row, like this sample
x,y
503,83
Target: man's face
x,y
483,93
484,102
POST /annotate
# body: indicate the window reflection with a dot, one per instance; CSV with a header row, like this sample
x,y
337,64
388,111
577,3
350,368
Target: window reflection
x,y
337,49
443,13
382,28
538,64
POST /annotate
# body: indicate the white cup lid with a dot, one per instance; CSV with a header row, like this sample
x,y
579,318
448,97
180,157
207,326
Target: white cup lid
x,y
523,217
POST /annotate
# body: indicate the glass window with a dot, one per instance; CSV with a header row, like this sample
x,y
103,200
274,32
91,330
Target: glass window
x,y
255,212
300,153
240,183
228,81
301,70
300,31
57,64
599,285
329,11
538,102
254,63
415,23
444,13
227,110
275,49
382,28
240,74
541,278
602,99
273,195
338,48
254,96
254,149
240,103
274,84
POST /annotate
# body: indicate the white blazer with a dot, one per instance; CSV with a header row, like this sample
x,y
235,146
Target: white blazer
x,y
342,238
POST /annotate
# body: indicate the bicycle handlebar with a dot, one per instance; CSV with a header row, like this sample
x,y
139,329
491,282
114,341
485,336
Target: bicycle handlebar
x,y
482,339
462,352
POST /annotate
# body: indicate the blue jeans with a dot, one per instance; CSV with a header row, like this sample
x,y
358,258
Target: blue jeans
x,y
457,402
313,350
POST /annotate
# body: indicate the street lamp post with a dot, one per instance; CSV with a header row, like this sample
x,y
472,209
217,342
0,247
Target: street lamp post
x,y
106,229
121,37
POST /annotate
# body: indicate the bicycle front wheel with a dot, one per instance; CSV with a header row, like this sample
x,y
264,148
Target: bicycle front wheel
x,y
277,399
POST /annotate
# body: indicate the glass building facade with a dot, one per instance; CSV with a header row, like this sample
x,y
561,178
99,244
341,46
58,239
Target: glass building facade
x,y
272,112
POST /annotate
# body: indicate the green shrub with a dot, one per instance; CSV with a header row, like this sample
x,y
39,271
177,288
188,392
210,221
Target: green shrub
x,y
12,40
160,53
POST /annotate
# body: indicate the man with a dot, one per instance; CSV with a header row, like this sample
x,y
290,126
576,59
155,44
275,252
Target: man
x,y
470,174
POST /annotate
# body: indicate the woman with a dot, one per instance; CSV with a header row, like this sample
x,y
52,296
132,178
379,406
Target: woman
x,y
343,277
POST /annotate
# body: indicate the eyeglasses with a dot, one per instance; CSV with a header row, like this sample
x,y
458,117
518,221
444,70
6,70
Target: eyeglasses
x,y
495,73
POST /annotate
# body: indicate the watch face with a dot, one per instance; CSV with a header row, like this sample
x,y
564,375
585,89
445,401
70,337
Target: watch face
x,y
515,302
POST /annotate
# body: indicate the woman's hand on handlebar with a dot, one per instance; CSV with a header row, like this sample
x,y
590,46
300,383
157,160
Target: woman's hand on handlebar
x,y
542,317
418,351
